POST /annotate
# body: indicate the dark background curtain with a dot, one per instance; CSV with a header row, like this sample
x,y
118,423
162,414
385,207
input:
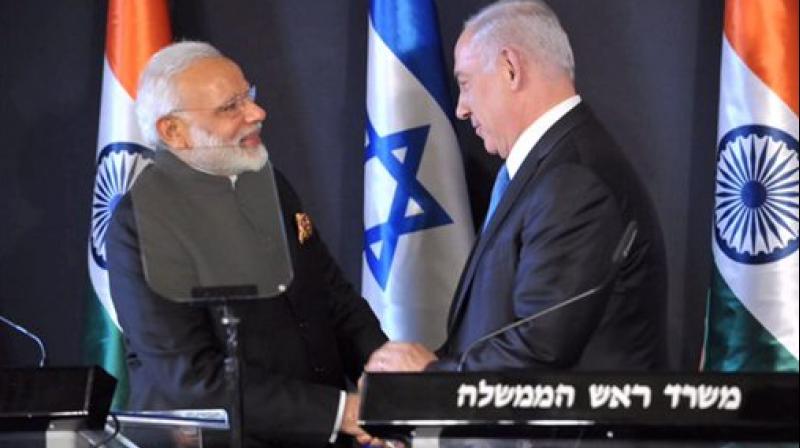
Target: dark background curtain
x,y
649,68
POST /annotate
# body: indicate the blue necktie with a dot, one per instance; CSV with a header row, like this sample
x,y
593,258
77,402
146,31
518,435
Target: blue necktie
x,y
499,188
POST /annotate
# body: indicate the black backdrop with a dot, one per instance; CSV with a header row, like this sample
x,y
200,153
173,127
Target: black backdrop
x,y
649,68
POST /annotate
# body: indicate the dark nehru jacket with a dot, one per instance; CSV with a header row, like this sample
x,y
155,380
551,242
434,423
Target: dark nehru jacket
x,y
298,349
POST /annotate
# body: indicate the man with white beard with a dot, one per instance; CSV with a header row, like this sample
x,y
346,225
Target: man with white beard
x,y
196,107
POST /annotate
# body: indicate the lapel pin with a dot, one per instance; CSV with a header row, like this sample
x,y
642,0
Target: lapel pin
x,y
304,228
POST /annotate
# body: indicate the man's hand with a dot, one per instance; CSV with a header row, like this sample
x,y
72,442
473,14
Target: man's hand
x,y
350,421
400,357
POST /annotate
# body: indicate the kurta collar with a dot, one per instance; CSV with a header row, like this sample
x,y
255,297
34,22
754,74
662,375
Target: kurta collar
x,y
197,181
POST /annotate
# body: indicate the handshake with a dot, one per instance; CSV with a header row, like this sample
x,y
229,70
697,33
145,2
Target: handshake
x,y
400,357
390,357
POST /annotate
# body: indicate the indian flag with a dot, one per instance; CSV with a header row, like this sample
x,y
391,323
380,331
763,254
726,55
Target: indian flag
x,y
752,320
136,29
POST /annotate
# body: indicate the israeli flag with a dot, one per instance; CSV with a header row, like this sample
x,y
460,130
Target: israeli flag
x,y
417,224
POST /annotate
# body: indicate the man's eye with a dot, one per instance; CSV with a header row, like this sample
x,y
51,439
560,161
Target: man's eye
x,y
230,107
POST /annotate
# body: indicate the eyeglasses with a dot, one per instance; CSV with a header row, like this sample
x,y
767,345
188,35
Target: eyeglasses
x,y
231,109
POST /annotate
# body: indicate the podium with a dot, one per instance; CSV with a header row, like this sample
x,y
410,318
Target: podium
x,y
521,408
193,428
189,428
67,407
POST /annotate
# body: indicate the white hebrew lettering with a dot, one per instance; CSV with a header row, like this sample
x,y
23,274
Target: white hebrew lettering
x,y
730,398
644,392
503,395
565,391
524,397
705,396
546,396
708,396
620,396
674,391
599,395
486,393
690,392
467,391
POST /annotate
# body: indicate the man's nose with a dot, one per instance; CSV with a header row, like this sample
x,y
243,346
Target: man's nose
x,y
254,112
462,111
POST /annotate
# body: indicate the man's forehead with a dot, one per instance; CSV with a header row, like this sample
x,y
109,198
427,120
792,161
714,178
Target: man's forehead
x,y
217,74
463,41
463,53
210,65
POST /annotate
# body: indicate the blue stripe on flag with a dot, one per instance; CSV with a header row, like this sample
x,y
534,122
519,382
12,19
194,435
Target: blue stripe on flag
x,y
410,29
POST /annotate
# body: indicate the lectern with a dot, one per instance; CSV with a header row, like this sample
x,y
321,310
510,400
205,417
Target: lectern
x,y
52,404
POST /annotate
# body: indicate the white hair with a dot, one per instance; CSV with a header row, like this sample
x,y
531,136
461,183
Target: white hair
x,y
528,25
156,95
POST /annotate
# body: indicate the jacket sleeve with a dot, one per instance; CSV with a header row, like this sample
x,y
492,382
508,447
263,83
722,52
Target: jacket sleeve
x,y
357,329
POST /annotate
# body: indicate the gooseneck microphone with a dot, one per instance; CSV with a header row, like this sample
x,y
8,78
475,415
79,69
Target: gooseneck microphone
x,y
620,254
21,329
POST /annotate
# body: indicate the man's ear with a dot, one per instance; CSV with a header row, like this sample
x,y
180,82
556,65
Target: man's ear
x,y
511,65
173,131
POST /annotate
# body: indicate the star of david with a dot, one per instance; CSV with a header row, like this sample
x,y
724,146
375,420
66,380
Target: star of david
x,y
410,195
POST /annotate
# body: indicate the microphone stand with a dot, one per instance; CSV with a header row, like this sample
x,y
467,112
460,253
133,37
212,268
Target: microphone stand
x,y
23,330
233,379
620,254
220,298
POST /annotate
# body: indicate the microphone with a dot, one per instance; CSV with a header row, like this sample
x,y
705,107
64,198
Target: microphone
x,y
621,252
21,329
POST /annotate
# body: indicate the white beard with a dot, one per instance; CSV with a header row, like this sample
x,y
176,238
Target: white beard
x,y
212,155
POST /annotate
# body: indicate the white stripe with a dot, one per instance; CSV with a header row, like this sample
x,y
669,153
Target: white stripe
x,y
99,277
769,291
117,124
117,114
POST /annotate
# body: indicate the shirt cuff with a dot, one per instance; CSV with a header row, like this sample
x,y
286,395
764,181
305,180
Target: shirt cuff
x,y
339,414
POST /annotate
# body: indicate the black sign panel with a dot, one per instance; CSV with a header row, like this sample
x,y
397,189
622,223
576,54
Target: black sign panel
x,y
743,406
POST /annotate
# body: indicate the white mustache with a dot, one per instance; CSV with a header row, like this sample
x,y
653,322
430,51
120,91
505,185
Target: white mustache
x,y
236,140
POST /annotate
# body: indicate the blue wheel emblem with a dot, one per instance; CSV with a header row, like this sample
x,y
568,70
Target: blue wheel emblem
x,y
756,215
118,164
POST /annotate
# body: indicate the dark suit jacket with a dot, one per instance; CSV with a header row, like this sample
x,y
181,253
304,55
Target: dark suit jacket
x,y
552,237
297,349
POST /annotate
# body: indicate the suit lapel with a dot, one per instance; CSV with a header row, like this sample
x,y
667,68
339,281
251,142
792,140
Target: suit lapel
x,y
527,172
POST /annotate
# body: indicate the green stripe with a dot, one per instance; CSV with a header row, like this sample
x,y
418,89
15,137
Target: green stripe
x,y
103,346
735,340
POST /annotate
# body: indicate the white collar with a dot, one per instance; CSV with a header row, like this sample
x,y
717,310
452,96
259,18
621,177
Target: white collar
x,y
533,133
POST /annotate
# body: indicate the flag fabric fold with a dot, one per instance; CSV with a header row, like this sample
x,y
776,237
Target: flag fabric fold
x,y
418,228
135,30
752,321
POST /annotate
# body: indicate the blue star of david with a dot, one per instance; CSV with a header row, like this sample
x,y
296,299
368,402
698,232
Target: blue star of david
x,y
408,188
